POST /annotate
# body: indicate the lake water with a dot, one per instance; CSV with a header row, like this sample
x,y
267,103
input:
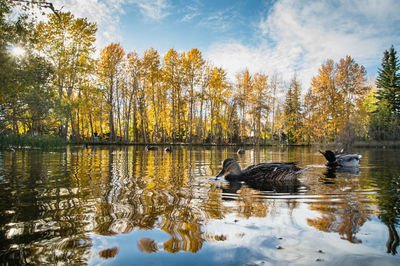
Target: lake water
x,y
126,206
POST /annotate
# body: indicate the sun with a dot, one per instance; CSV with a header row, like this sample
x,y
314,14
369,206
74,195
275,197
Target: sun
x,y
17,51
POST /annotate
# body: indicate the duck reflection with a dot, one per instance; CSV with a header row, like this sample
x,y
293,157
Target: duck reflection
x,y
289,186
331,172
393,240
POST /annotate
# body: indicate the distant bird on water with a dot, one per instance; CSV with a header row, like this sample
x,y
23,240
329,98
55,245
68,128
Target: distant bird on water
x,y
168,149
241,151
150,148
341,159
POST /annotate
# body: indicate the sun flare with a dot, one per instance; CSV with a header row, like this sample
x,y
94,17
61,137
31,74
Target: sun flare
x,y
17,51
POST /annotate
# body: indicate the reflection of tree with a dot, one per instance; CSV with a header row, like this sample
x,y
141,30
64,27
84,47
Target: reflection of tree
x,y
109,253
345,219
52,201
147,245
388,180
158,195
43,226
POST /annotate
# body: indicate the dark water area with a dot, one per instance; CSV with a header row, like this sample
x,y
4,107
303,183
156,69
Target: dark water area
x,y
126,206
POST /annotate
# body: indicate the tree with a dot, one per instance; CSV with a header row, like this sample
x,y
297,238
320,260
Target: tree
x,y
217,95
174,83
193,64
259,100
154,93
134,69
385,119
109,69
244,84
25,91
293,112
388,80
334,100
68,43
351,85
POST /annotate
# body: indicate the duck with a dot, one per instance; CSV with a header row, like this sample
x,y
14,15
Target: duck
x,y
240,151
150,148
168,149
339,159
260,173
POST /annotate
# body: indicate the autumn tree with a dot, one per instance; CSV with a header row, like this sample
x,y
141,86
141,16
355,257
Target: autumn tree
x,y
274,90
174,82
324,103
68,43
333,100
110,67
351,85
244,84
217,95
259,101
135,94
193,64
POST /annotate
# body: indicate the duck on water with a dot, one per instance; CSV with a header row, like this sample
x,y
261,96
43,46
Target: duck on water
x,y
339,159
260,173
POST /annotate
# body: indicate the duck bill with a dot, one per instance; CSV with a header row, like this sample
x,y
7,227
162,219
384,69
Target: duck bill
x,y
322,152
221,173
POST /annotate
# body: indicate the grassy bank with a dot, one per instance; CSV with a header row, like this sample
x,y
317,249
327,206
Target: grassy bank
x,y
26,141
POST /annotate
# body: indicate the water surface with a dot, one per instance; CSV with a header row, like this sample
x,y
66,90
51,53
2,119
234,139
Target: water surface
x,y
126,206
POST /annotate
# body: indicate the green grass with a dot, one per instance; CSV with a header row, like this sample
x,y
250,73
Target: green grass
x,y
26,141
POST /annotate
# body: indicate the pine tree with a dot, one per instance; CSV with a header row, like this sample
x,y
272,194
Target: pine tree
x,y
388,80
292,111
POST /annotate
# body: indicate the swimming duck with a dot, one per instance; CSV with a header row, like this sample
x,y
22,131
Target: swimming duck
x,y
168,149
341,159
240,151
260,173
150,148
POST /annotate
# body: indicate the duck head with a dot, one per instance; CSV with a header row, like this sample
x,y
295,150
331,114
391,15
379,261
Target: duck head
x,y
229,167
329,155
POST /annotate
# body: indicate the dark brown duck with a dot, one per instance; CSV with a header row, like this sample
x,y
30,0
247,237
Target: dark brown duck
x,y
260,172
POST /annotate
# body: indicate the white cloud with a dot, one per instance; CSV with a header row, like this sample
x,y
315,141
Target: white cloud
x,y
300,35
190,13
107,13
152,9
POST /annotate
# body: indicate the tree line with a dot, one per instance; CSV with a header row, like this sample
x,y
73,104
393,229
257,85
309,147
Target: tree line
x,y
61,87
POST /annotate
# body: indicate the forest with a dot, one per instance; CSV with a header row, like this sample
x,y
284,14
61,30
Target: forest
x,y
54,82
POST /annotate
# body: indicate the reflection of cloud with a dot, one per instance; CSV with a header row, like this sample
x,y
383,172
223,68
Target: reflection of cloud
x,y
299,36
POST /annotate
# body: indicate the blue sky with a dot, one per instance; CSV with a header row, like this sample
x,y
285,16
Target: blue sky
x,y
281,36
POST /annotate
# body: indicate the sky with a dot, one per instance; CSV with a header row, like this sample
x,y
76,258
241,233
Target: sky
x,y
280,36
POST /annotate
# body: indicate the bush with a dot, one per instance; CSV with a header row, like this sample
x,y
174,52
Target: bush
x,y
26,141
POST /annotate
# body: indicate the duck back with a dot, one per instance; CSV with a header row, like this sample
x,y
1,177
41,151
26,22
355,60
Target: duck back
x,y
271,172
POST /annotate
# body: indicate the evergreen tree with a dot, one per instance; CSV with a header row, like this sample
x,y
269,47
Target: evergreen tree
x,y
292,111
388,80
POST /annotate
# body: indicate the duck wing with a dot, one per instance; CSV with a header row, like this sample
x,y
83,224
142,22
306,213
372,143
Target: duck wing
x,y
348,159
271,172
